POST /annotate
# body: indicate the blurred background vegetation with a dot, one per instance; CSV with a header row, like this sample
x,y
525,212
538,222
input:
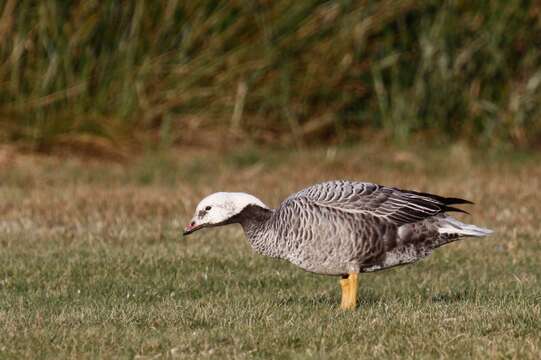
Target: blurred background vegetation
x,y
277,72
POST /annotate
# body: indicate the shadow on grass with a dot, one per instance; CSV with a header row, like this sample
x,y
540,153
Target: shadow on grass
x,y
452,297
328,299
316,299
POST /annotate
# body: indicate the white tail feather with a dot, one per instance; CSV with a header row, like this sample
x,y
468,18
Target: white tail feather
x,y
448,225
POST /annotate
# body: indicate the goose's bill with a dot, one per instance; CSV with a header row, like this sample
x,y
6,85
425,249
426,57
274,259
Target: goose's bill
x,y
191,227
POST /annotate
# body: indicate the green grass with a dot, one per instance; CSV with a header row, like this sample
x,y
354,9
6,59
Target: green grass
x,y
93,264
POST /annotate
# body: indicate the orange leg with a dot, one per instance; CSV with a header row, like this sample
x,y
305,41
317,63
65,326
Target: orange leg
x,y
350,286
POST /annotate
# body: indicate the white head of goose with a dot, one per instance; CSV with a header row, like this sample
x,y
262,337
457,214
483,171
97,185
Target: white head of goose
x,y
341,228
221,208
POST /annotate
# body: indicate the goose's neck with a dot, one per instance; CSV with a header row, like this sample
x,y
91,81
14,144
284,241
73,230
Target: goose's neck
x,y
257,224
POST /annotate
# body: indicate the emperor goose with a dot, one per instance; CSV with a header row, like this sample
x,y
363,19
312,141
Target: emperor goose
x,y
341,228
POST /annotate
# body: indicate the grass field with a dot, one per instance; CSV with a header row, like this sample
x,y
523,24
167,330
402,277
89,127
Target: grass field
x,y
93,264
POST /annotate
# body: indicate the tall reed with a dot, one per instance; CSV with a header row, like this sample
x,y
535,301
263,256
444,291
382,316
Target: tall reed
x,y
305,71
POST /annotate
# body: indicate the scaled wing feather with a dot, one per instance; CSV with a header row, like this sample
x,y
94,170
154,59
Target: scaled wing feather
x,y
398,206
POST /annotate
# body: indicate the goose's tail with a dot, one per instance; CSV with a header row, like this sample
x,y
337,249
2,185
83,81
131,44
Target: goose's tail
x,y
451,226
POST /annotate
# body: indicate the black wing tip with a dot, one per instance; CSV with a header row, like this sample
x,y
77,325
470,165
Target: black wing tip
x,y
444,200
452,208
452,200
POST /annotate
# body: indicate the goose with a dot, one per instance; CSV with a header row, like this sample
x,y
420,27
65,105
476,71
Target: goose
x,y
341,228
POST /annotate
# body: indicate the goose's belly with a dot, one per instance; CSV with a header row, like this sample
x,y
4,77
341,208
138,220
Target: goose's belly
x,y
339,245
363,249
325,268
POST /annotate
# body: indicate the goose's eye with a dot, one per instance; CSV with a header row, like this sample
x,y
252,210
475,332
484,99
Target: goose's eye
x,y
208,208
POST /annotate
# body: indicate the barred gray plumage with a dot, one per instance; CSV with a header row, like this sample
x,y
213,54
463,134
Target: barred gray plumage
x,y
341,227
